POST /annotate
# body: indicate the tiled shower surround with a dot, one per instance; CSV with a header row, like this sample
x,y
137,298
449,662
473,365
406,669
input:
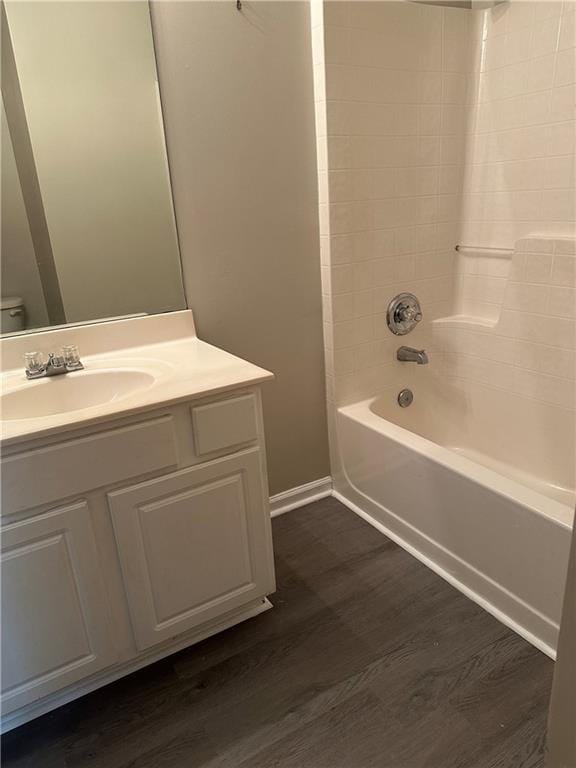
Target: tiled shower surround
x,y
520,142
528,343
437,127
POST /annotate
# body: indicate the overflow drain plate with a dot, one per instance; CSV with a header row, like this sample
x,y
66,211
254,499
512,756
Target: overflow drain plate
x,y
405,398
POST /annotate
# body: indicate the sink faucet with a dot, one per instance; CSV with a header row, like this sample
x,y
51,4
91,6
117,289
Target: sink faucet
x,y
68,360
411,355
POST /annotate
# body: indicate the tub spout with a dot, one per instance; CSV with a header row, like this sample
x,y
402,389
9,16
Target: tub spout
x,y
411,355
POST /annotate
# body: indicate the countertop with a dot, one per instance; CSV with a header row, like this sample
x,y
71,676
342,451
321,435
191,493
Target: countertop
x,y
182,369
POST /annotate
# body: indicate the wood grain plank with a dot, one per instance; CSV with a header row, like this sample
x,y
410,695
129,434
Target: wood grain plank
x,y
368,659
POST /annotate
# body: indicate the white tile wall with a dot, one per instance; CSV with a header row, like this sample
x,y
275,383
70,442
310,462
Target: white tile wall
x,y
390,117
531,348
519,168
437,126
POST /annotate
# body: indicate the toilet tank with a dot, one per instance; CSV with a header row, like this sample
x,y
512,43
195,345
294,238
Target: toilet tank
x,y
13,314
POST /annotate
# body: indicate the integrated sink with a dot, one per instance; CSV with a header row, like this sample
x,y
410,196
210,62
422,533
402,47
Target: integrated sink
x,y
131,366
72,392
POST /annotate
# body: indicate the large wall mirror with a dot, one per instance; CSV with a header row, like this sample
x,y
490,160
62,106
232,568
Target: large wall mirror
x,y
88,229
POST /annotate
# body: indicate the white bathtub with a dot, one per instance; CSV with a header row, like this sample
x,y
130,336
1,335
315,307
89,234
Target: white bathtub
x,y
470,485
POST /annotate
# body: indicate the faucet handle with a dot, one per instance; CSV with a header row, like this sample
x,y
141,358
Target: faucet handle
x,y
34,363
409,313
403,313
71,355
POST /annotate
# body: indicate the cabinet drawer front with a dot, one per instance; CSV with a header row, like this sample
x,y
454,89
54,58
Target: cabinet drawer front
x,y
56,627
193,545
225,424
47,474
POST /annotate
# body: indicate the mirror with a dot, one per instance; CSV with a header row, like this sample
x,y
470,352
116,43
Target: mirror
x,y
88,229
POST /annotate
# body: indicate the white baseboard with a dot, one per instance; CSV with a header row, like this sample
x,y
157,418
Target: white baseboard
x,y
445,574
299,496
320,489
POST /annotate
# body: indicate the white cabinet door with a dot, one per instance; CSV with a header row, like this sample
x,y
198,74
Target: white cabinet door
x,y
55,619
193,545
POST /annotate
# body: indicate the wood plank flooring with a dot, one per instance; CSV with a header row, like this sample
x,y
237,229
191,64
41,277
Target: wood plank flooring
x,y
368,660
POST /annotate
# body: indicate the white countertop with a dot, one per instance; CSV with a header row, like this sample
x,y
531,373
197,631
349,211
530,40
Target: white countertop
x,y
182,369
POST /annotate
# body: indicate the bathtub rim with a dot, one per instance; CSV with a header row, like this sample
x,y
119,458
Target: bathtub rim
x,y
560,514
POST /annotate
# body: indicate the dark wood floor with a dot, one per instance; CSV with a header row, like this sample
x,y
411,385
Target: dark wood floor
x,y
367,660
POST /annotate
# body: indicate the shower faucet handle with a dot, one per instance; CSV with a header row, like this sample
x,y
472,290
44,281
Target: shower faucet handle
x,y
404,313
408,312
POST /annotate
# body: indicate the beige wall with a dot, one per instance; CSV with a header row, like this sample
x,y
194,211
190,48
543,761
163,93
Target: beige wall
x,y
238,107
88,81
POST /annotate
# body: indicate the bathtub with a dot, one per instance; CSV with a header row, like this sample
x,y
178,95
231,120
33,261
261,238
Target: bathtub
x,y
464,480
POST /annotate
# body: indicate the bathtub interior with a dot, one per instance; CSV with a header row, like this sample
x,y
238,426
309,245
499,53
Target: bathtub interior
x,y
525,440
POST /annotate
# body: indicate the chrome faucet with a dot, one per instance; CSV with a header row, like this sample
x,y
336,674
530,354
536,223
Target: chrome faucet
x,y
411,355
68,360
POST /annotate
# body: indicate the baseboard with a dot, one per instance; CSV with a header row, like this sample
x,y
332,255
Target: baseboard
x,y
319,489
445,574
299,496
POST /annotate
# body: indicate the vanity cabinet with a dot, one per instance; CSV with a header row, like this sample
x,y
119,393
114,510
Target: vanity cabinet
x,y
128,540
55,622
192,545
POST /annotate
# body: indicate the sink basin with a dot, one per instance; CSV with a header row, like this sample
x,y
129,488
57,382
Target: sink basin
x,y
71,392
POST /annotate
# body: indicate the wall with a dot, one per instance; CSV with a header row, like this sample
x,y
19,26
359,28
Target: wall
x,y
521,130
238,105
518,194
528,343
88,82
391,86
20,276
437,127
